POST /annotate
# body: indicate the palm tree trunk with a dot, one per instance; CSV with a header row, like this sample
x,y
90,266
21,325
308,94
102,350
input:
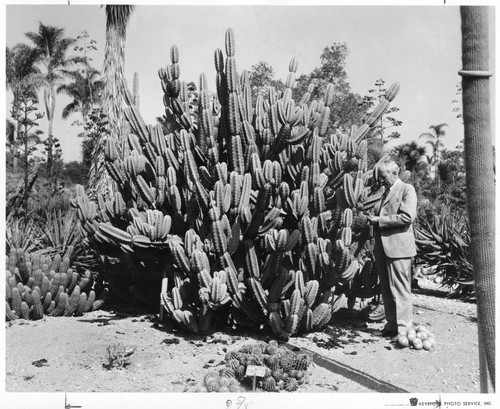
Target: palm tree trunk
x,y
113,72
50,105
479,175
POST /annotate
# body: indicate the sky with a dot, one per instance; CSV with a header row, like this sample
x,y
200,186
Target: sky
x,y
417,46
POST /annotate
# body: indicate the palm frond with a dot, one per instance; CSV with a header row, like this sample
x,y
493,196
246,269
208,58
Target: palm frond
x,y
118,16
427,135
71,108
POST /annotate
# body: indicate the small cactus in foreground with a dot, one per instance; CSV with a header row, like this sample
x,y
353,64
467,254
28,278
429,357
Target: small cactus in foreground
x,y
218,381
282,365
39,285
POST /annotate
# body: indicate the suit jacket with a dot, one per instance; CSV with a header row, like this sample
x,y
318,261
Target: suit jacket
x,y
397,211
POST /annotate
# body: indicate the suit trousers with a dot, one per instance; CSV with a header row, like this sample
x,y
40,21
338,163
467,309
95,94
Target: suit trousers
x,y
395,285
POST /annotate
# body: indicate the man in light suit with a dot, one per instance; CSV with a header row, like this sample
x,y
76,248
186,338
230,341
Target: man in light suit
x,y
395,247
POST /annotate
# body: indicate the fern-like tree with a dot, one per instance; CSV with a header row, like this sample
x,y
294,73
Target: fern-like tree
x,y
51,47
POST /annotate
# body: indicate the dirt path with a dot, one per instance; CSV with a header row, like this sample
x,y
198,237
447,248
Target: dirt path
x,y
68,354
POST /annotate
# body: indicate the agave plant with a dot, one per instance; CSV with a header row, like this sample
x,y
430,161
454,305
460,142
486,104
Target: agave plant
x,y
21,233
59,232
443,243
241,215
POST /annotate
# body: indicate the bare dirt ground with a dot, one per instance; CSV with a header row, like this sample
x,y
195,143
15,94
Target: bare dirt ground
x,y
69,354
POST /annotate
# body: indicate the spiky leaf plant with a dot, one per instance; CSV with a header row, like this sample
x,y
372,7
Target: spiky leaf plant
x,y
443,243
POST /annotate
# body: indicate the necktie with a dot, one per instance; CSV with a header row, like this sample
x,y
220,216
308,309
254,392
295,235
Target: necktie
x,y
386,192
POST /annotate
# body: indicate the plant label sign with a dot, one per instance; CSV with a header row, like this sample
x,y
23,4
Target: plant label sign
x,y
255,370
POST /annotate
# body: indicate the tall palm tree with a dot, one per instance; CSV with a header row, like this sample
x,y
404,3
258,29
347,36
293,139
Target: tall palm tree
x,y
117,18
433,139
85,89
51,46
23,78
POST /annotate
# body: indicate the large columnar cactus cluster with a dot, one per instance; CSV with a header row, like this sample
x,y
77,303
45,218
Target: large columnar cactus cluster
x,y
39,285
248,215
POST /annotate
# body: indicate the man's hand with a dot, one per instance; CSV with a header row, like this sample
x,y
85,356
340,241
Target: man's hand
x,y
373,219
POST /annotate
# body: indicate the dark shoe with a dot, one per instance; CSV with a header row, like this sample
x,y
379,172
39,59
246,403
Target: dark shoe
x,y
389,333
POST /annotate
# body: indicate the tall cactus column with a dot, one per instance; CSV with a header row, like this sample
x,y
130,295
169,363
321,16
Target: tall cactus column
x,y
480,177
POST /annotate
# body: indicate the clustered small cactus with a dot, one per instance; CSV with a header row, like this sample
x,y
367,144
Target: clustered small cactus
x,y
247,216
39,285
285,370
219,381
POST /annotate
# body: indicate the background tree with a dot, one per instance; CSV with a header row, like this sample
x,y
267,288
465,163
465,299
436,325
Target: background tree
x,y
26,114
433,140
51,46
409,156
451,173
96,128
262,77
84,89
346,109
85,85
22,78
